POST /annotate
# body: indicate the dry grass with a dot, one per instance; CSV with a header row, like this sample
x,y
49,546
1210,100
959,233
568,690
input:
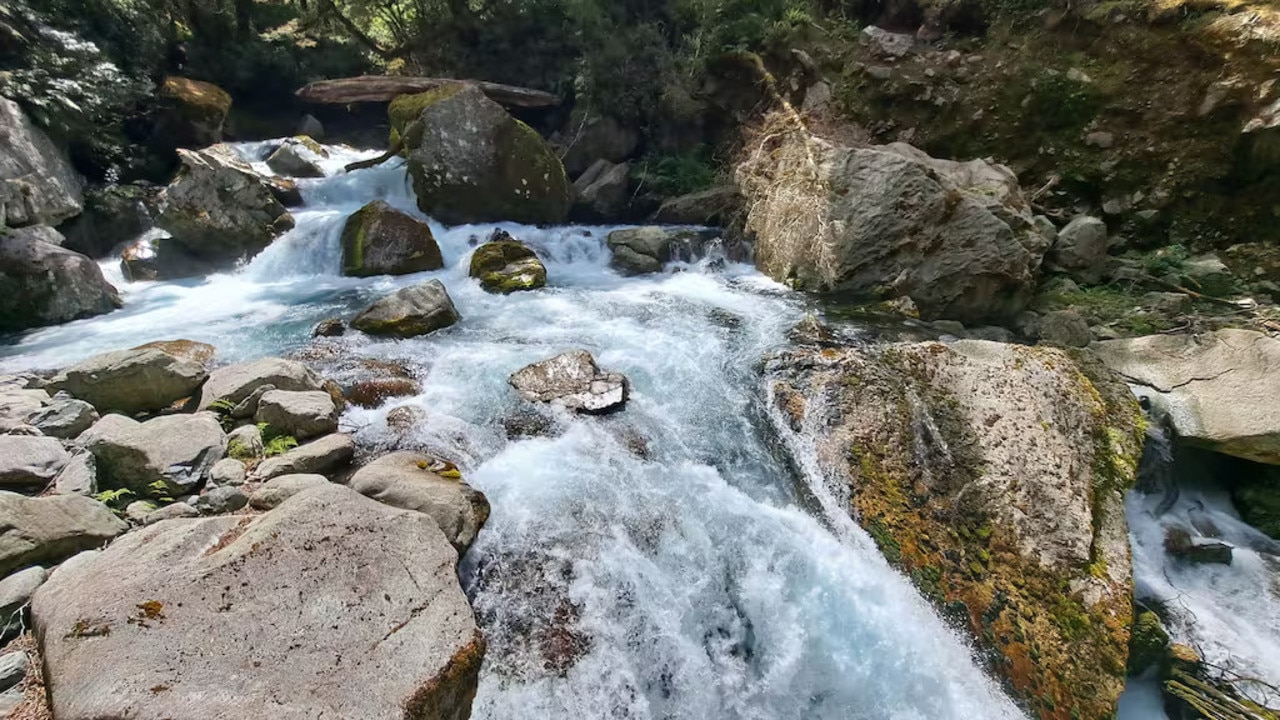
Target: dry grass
x,y
35,703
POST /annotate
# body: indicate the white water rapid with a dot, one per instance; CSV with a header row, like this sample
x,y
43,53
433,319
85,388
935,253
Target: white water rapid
x,y
657,563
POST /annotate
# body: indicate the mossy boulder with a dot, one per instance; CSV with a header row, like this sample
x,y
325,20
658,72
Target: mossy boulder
x,y
470,161
993,475
409,312
193,112
380,240
1149,644
506,265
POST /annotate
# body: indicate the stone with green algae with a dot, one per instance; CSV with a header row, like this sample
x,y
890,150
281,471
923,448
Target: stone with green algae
x,y
506,265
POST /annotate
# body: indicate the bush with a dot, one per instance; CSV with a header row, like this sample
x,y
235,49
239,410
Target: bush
x,y
672,175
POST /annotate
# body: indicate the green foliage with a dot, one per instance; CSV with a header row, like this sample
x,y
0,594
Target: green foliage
x,y
275,442
115,499
237,450
1166,260
675,174
1060,103
222,408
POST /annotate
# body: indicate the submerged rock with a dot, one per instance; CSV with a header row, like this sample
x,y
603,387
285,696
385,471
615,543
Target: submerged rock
x,y
380,240
506,265
48,530
171,454
42,283
957,238
572,381
37,183
160,258
1179,543
1217,388
641,250
297,157
218,209
993,475
409,312
330,604
143,379
414,481
470,161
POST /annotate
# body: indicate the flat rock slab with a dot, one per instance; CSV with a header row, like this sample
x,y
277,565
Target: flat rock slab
x,y
30,461
331,605
1219,389
572,381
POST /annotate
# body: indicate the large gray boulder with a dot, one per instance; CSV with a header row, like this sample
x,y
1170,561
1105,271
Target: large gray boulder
x,y
1081,249
144,379
171,454
46,530
409,312
37,184
330,605
641,250
17,403
64,417
318,457
572,381
993,475
42,283
414,481
380,240
218,209
889,221
471,162
234,384
1218,388
30,462
303,415
602,193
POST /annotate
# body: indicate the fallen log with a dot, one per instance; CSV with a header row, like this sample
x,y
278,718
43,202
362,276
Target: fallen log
x,y
384,88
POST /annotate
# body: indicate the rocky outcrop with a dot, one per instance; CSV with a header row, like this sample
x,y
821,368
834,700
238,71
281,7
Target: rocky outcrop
x,y
51,529
192,113
470,161
30,461
1216,388
380,240
506,265
37,184
602,193
42,283
171,454
300,414
132,381
218,209
298,157
572,381
890,221
414,481
409,312
993,475
233,384
171,620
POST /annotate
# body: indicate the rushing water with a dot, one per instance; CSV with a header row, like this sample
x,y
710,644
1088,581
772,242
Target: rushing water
x,y
653,564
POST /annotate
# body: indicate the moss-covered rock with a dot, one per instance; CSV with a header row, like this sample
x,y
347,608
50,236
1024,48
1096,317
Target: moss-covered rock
x,y
1149,645
992,475
1257,497
409,312
506,265
194,112
380,240
470,161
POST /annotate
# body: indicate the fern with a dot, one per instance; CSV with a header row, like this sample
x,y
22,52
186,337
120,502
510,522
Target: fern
x,y
114,498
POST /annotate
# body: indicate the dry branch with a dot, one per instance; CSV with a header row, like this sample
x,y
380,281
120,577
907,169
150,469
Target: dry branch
x,y
384,88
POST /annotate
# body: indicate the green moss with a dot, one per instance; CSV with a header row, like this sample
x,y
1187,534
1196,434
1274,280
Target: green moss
x,y
1149,643
275,442
237,450
404,109
197,101
312,145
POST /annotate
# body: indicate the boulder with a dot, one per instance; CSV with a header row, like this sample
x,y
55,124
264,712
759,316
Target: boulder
x,y
298,157
235,383
886,44
281,488
311,127
42,283
64,417
132,381
48,530
714,206
156,256
171,454
1064,327
1217,388
329,605
1209,275
591,138
37,184
245,443
318,457
329,327
409,312
79,476
471,162
113,215
192,113
218,209
170,512
572,381
30,462
414,481
1081,249
380,240
993,475
602,193
13,668
222,500
227,471
15,592
506,265
1179,544
882,222
303,415
18,403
